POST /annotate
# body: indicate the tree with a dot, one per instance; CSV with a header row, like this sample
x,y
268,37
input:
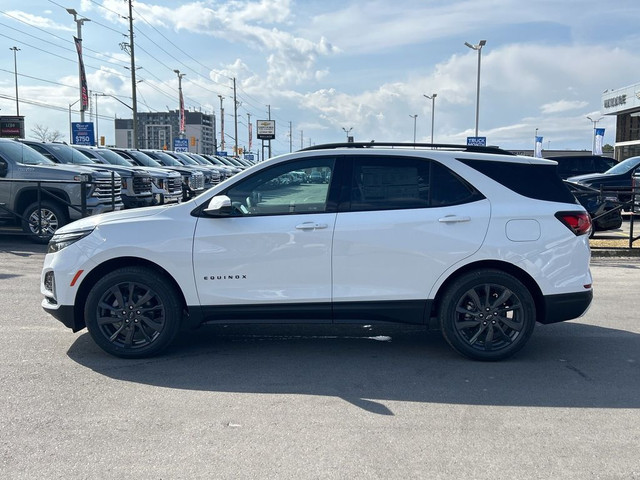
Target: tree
x,y
43,134
607,148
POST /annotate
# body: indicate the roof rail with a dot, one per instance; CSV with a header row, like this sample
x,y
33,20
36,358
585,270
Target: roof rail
x,y
434,146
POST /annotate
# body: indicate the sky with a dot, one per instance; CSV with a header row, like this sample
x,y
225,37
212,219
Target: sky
x,y
322,69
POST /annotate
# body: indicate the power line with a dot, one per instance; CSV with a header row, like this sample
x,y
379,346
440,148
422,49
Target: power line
x,y
53,35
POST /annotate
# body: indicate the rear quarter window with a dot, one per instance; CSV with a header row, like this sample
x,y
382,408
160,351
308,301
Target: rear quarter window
x,y
540,182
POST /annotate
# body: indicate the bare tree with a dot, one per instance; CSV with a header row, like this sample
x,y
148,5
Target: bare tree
x,y
43,134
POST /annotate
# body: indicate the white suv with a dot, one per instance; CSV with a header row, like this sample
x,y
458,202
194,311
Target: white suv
x,y
474,241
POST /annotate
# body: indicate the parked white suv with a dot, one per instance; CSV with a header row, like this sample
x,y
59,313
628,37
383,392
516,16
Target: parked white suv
x,y
474,241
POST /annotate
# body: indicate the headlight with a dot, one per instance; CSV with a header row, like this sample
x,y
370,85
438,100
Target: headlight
x,y
63,240
159,183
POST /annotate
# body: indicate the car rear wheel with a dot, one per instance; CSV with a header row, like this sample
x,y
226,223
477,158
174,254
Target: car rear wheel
x,y
487,315
133,312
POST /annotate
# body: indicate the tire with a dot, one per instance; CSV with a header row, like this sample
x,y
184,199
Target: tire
x,y
53,217
133,312
487,315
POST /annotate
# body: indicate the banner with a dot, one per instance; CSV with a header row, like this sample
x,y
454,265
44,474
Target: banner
x,y
84,90
250,136
598,141
538,149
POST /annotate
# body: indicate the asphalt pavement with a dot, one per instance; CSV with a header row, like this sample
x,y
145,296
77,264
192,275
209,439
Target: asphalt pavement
x,y
316,402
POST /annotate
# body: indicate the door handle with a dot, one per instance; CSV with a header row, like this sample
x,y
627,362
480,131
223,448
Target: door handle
x,y
311,226
454,219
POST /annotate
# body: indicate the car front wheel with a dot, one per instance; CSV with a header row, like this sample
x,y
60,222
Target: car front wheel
x,y
133,312
41,223
487,315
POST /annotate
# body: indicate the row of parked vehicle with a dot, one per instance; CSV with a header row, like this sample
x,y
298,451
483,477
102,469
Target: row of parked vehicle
x,y
602,185
42,187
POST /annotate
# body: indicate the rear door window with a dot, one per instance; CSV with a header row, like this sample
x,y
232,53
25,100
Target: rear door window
x,y
391,183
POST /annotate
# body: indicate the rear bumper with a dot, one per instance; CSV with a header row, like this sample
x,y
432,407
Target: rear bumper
x,y
567,306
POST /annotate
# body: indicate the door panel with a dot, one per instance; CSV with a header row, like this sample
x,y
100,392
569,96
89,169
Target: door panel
x,y
399,254
274,246
263,259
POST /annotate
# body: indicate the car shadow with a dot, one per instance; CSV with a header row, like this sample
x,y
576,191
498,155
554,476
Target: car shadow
x,y
564,365
21,246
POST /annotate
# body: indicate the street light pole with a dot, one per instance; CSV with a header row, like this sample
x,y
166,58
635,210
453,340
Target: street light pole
x,y
478,48
414,126
433,109
79,23
180,103
595,122
71,129
347,131
15,70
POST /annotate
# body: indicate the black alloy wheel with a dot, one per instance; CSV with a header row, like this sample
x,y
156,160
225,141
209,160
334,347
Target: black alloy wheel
x,y
133,312
487,315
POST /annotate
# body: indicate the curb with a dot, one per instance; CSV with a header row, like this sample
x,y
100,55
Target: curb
x,y
615,252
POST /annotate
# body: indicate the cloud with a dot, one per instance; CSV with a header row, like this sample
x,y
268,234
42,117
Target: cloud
x,y
563,106
37,21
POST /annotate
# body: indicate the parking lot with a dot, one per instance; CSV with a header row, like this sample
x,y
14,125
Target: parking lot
x,y
284,402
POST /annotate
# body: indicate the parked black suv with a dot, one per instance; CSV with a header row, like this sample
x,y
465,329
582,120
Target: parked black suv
x,y
573,165
617,179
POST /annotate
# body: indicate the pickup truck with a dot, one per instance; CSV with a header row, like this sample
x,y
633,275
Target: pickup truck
x,y
135,184
66,192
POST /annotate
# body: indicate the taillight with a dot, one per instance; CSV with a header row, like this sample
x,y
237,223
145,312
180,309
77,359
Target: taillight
x,y
578,222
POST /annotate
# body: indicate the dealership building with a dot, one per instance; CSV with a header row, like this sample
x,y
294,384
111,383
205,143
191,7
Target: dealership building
x,y
624,103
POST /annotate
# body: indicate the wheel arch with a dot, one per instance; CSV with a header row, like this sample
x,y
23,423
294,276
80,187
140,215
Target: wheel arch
x,y
506,267
109,266
29,195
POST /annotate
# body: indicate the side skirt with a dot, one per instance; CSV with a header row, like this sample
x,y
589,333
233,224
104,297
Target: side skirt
x,y
407,312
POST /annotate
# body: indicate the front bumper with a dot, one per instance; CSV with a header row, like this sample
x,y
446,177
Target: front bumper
x,y
65,314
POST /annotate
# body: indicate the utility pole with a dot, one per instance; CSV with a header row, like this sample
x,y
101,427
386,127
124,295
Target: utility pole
x,y
95,94
290,138
249,135
15,70
79,23
235,115
133,78
269,109
221,123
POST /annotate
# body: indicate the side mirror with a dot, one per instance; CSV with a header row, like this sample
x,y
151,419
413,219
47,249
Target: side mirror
x,y
219,205
3,168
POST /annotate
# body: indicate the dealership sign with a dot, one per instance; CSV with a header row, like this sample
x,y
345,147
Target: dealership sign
x,y
477,141
180,144
11,127
266,129
82,133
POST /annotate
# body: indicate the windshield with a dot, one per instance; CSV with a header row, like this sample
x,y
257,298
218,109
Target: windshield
x,y
143,158
624,166
186,159
216,161
23,154
67,154
112,157
165,159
